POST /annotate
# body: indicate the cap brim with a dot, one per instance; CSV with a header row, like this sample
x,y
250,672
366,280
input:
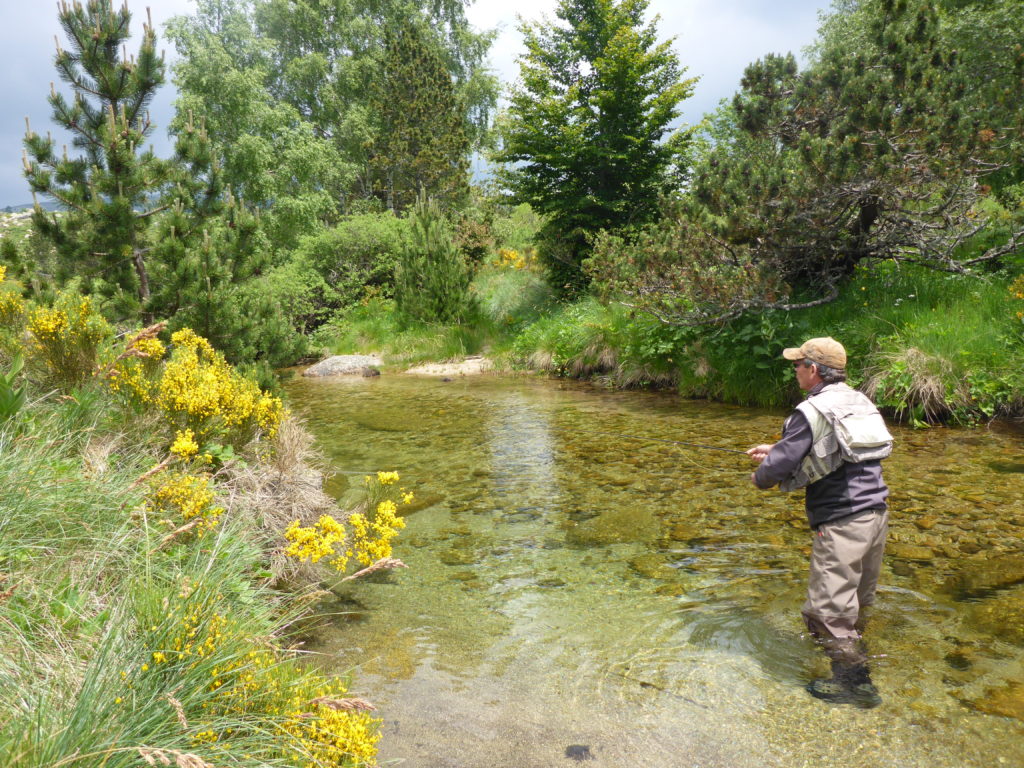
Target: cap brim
x,y
793,353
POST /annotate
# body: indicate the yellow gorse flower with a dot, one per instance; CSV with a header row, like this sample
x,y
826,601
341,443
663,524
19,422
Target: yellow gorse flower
x,y
12,309
188,497
264,683
365,537
66,337
184,444
202,392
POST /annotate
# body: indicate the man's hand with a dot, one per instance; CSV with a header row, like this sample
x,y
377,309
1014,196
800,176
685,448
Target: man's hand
x,y
760,452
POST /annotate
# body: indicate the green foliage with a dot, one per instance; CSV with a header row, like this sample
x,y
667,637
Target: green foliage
x,y
273,156
582,138
11,399
421,145
432,278
290,84
517,227
511,298
153,237
358,254
866,156
377,325
474,236
927,346
108,192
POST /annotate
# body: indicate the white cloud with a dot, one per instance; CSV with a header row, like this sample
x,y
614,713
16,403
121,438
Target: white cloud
x,y
715,39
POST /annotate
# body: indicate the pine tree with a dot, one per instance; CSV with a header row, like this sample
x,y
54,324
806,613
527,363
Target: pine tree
x,y
869,154
109,193
875,153
587,138
159,237
421,143
432,278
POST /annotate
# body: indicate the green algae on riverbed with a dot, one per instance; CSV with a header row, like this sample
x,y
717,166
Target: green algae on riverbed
x,y
643,599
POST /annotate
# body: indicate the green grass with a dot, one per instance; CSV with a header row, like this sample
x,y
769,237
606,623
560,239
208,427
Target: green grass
x,y
929,346
506,300
97,605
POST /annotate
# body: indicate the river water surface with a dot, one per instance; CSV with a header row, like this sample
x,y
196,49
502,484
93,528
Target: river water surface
x,y
578,596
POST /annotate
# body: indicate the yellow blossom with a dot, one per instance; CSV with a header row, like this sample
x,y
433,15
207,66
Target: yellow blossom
x,y
184,444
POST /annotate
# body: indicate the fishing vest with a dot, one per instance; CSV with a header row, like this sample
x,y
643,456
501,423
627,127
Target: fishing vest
x,y
845,426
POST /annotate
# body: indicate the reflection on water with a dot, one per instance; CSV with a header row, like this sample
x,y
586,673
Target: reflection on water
x,y
570,589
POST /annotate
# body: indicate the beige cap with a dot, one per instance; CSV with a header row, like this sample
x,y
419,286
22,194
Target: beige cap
x,y
826,351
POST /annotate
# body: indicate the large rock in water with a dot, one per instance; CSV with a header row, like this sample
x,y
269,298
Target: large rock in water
x,y
344,365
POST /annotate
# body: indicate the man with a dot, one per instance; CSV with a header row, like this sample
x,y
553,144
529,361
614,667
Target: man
x,y
832,445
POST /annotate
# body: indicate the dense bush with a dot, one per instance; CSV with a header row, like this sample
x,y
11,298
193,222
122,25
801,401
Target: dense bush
x,y
360,253
928,347
138,613
432,277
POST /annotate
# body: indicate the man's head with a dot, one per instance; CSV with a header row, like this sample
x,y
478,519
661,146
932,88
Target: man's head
x,y
817,361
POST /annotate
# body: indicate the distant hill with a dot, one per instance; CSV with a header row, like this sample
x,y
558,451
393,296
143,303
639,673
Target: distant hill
x,y
47,206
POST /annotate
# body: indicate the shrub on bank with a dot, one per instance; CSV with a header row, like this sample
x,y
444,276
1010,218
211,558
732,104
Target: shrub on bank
x,y
135,570
928,346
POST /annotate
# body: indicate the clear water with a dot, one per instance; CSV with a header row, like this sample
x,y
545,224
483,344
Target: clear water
x,y
577,596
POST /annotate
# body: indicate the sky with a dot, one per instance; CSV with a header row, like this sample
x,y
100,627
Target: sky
x,y
714,39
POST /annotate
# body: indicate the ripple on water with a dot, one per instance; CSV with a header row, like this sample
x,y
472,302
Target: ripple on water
x,y
642,600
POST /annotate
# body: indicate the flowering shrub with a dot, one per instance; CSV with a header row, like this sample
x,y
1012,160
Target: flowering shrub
x,y
184,445
189,499
224,675
511,259
199,391
371,534
66,338
12,306
135,372
1017,291
371,539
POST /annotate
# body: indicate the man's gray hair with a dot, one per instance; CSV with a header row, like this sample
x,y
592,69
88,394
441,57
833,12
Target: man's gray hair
x,y
828,375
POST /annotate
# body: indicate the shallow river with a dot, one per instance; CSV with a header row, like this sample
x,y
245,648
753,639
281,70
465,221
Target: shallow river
x,y
579,596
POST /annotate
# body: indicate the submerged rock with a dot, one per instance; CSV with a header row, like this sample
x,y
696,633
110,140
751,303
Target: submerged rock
x,y
1002,616
905,551
420,500
344,365
651,566
612,526
457,557
1004,702
685,532
982,579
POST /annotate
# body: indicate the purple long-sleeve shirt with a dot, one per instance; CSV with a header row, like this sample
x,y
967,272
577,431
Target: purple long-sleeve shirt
x,y
848,490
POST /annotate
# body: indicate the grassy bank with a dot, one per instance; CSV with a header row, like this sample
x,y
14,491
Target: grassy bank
x,y
155,501
928,346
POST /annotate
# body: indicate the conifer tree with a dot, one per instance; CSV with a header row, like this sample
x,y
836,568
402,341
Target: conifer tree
x,y
160,237
432,278
421,143
869,154
587,138
108,193
875,153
